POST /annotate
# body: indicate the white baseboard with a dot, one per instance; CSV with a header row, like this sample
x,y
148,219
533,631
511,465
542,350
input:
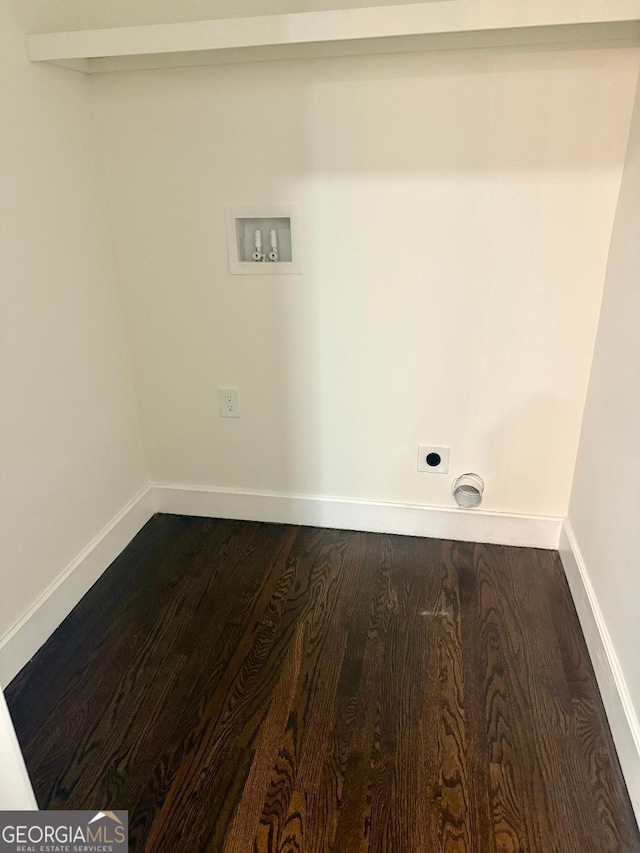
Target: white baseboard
x,y
24,638
436,522
622,716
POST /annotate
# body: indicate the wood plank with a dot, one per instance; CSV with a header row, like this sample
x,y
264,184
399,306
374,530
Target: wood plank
x,y
243,686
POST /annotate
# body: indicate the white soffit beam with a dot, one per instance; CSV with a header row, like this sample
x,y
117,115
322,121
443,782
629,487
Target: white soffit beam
x,y
381,22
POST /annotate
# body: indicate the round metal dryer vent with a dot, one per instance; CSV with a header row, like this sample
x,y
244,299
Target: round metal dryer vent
x,y
467,490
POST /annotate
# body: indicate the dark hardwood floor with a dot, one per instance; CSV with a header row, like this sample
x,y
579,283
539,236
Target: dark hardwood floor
x,y
241,686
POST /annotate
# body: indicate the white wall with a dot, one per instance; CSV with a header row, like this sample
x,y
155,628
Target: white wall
x,y
456,215
15,788
605,502
70,451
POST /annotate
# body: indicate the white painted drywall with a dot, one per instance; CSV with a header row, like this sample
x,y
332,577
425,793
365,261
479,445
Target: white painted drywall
x,y
456,215
605,502
71,454
16,792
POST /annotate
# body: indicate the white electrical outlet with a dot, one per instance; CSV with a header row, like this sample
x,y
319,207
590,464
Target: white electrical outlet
x,y
433,460
229,403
